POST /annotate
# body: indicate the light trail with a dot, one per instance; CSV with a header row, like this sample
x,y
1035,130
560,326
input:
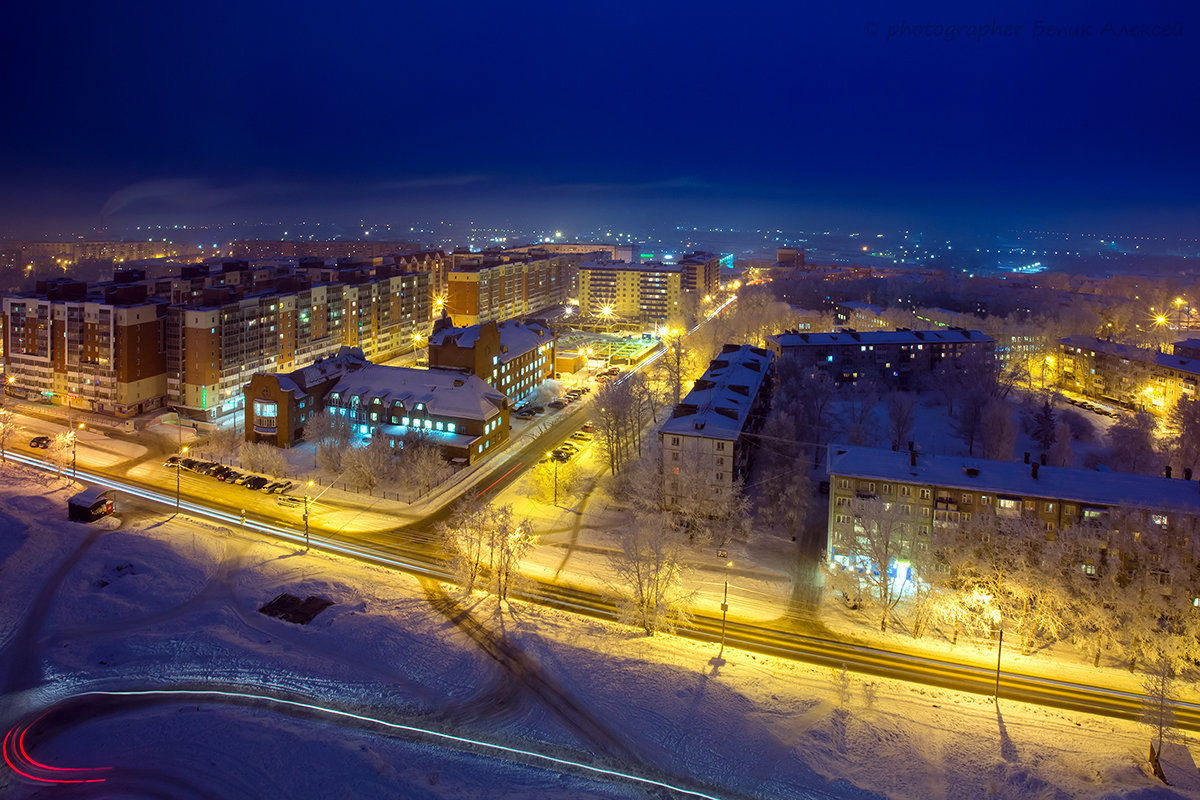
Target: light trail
x,y
502,477
19,754
505,750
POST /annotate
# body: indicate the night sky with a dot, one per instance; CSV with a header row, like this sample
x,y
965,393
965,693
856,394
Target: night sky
x,y
736,113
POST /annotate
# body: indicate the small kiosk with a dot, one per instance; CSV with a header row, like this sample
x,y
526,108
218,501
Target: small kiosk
x,y
91,504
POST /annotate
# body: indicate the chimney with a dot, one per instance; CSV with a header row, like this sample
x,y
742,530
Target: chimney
x,y
910,446
1043,459
1027,457
1167,471
1035,470
1187,473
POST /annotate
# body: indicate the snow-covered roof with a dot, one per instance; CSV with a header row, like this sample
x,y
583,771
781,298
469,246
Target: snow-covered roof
x,y
858,305
443,392
720,401
645,266
1082,486
1131,353
517,336
850,338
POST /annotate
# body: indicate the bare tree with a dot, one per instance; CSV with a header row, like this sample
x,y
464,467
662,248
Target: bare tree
x,y
370,466
1158,708
650,566
486,545
902,413
998,430
1061,454
8,429
882,537
330,434
57,451
1131,443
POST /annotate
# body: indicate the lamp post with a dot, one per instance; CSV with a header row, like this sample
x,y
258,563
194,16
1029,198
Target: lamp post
x,y
724,604
308,501
178,469
74,436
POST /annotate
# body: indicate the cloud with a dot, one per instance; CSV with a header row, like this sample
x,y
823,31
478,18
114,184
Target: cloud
x,y
192,194
650,186
432,182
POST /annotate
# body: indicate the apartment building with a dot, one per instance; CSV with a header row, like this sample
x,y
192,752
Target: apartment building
x,y
1144,379
97,349
514,357
216,343
502,285
933,492
899,358
468,418
303,248
860,316
706,440
700,272
648,292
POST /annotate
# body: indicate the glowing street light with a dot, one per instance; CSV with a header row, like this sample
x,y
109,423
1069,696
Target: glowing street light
x,y
308,504
606,311
73,438
178,469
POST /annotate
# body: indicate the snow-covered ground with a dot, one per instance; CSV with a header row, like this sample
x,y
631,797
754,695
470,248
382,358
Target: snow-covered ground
x,y
163,604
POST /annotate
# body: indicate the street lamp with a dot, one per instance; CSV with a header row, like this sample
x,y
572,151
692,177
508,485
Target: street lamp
x,y
178,469
308,501
73,438
724,604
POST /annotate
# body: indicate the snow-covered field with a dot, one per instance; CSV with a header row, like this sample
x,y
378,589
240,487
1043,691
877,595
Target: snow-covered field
x,y
169,605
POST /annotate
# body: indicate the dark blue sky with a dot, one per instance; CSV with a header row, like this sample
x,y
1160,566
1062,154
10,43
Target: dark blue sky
x,y
791,113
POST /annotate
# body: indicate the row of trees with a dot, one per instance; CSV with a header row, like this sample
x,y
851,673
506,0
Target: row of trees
x,y
1126,585
415,465
486,545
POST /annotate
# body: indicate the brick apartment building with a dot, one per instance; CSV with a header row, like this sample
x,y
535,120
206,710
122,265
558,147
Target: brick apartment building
x,y
468,418
503,285
1140,378
514,357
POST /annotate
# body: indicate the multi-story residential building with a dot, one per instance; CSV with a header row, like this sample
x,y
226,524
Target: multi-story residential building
x,y
468,418
502,285
299,248
860,316
648,292
898,358
515,357
98,349
932,492
1143,379
700,272
215,344
72,252
706,440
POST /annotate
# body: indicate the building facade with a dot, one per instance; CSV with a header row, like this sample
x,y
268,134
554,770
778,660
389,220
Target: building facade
x,y
700,272
514,357
647,292
706,441
899,358
498,286
97,349
468,418
1139,378
935,493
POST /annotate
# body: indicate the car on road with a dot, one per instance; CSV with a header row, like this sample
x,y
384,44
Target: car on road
x,y
289,500
40,441
588,427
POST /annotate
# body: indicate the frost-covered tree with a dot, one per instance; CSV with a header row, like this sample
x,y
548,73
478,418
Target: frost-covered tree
x,y
902,415
1183,434
998,430
1044,425
330,434
262,457
883,535
59,451
1061,454
486,545
370,466
1131,445
8,429
649,563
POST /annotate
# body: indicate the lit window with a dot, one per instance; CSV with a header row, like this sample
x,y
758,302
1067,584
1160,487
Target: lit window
x,y
450,427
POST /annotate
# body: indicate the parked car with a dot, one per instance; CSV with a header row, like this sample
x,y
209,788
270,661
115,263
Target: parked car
x,y
289,500
230,476
558,404
217,471
588,427
256,482
241,479
581,436
269,487
173,461
209,467
40,441
538,409
284,486
189,464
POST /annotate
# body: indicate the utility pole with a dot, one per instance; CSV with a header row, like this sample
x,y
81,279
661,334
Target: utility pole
x,y
999,650
724,602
